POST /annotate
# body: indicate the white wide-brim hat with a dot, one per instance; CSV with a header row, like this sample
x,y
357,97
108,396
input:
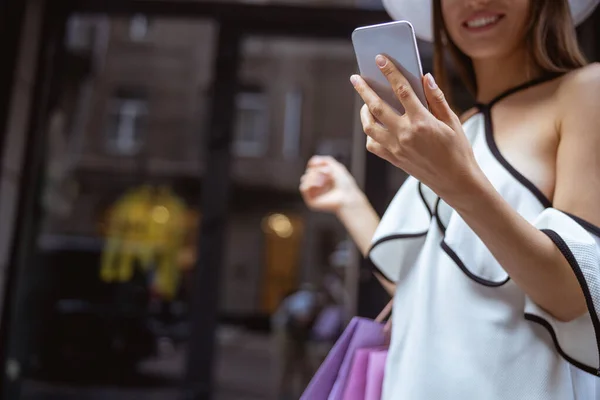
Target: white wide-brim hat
x,y
419,12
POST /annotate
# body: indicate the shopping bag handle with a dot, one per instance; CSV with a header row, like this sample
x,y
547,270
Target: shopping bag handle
x,y
386,312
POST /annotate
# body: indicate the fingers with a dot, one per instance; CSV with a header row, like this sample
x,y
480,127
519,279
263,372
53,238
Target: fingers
x,y
376,135
378,108
379,150
404,92
309,187
315,177
318,161
371,127
323,170
313,185
438,105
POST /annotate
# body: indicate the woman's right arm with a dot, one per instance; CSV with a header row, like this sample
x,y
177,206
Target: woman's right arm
x,y
361,220
328,186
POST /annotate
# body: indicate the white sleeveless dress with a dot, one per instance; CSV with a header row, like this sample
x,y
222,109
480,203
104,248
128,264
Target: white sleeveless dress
x,y
462,329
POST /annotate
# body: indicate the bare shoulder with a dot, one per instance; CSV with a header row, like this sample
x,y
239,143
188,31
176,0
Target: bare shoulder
x,y
582,83
577,181
578,96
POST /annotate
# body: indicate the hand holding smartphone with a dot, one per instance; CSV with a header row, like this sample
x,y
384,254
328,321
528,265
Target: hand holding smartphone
x,y
397,41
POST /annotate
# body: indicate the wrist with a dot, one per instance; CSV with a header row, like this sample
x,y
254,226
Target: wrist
x,y
355,200
474,192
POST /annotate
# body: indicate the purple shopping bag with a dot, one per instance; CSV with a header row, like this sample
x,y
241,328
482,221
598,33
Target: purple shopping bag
x,y
331,378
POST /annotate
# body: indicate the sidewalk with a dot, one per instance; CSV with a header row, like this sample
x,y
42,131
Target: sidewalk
x,y
245,366
243,371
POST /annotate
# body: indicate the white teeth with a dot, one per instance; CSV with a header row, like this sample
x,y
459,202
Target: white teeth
x,y
481,22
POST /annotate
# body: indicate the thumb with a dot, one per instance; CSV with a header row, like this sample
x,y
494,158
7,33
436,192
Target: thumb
x,y
437,102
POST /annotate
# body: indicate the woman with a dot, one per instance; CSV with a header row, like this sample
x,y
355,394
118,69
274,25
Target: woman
x,y
491,246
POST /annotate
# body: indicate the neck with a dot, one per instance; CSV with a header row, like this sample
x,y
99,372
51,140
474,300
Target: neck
x,y
497,75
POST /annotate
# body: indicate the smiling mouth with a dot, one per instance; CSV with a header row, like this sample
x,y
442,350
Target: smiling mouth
x,y
484,22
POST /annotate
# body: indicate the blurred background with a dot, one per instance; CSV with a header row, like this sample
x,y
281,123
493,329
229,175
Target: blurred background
x,y
153,242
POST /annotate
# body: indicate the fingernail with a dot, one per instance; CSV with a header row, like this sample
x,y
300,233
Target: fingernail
x,y
381,60
354,79
431,82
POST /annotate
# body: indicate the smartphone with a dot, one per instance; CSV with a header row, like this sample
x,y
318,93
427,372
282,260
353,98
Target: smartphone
x,y
398,42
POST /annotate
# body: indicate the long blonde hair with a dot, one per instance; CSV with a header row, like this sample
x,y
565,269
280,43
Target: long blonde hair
x,y
551,41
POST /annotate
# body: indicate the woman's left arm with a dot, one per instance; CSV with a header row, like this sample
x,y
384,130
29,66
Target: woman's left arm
x,y
432,147
529,256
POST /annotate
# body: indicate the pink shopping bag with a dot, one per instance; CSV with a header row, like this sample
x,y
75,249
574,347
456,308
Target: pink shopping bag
x,y
331,378
356,386
375,374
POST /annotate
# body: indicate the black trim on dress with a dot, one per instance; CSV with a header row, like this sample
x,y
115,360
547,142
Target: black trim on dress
x,y
541,321
568,254
588,226
538,81
486,110
437,216
375,269
464,268
398,236
491,142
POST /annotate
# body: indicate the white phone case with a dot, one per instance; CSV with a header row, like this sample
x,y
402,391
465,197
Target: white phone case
x,y
398,42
